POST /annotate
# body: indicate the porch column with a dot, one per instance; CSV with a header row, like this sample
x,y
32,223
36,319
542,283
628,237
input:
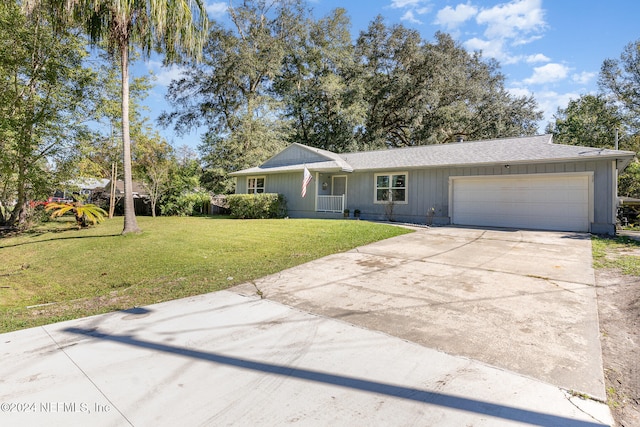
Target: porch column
x,y
315,196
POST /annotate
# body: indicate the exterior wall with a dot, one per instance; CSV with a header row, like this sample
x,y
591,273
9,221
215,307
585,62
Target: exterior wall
x,y
241,184
429,188
294,155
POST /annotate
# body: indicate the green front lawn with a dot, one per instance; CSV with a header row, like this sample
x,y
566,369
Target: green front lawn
x,y
60,273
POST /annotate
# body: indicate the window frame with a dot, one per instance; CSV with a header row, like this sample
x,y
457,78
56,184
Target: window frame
x,y
390,176
256,188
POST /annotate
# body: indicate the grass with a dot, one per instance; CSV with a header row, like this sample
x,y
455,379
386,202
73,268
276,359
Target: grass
x,y
58,272
619,253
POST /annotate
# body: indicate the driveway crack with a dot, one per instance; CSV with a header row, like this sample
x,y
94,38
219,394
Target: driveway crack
x,y
457,247
62,349
258,291
568,394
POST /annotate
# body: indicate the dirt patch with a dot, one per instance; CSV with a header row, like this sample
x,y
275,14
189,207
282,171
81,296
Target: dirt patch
x,y
629,251
619,312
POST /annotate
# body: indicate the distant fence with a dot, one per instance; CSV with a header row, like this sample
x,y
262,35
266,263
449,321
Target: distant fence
x,y
218,206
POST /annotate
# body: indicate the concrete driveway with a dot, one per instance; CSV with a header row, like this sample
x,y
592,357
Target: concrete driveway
x,y
522,301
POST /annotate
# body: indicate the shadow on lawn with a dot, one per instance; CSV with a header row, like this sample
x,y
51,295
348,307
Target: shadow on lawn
x,y
424,396
56,239
630,240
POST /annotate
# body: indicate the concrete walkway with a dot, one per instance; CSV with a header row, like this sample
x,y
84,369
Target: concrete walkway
x,y
229,359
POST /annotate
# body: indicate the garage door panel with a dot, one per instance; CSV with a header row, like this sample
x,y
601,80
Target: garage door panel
x,y
523,221
542,202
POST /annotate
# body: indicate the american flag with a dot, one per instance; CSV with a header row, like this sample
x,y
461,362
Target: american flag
x,y
306,179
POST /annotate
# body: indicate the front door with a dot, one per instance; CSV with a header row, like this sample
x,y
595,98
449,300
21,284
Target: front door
x,y
339,186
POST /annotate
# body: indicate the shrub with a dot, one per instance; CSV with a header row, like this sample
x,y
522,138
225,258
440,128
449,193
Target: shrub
x,y
186,204
37,214
257,206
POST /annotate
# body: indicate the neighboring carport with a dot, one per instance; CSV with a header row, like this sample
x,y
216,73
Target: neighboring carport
x,y
628,210
562,202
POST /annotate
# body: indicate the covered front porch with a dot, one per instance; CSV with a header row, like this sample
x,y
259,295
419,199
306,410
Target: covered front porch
x,y
331,192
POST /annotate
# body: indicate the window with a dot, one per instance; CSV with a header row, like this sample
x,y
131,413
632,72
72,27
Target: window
x,y
391,188
255,185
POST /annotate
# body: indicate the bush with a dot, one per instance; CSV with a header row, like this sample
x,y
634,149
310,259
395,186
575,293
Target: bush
x,y
38,214
257,206
186,204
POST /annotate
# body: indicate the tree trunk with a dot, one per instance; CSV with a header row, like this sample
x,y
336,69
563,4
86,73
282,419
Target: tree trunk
x,y
18,216
112,189
130,222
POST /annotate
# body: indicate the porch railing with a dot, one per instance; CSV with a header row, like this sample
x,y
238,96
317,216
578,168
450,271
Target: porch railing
x,y
330,203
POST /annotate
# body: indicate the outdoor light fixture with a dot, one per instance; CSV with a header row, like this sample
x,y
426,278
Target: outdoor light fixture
x,y
324,185
506,166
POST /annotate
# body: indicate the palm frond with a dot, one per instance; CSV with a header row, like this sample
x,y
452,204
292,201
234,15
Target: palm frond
x,y
88,212
92,213
59,208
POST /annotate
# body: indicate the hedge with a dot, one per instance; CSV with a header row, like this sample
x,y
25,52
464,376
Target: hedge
x,y
257,206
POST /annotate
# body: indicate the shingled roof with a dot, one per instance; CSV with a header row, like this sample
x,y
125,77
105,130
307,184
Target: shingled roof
x,y
530,149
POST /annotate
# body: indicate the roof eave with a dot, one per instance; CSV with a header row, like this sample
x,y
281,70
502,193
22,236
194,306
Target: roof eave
x,y
622,163
274,171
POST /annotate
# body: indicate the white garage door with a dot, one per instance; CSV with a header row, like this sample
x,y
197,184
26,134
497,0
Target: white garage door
x,y
545,202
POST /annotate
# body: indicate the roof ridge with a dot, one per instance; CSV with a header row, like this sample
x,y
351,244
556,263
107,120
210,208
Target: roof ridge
x,y
529,149
549,141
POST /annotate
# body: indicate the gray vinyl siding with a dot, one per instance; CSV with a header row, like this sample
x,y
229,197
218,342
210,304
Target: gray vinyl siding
x,y
429,188
241,184
290,185
293,155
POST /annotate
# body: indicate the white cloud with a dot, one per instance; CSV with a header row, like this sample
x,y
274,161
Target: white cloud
x,y
509,59
409,17
413,8
492,49
164,75
522,41
452,18
583,78
550,101
513,20
548,74
519,91
506,25
401,4
217,9
538,57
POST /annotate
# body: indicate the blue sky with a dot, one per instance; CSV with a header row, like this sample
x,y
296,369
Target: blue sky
x,y
551,49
